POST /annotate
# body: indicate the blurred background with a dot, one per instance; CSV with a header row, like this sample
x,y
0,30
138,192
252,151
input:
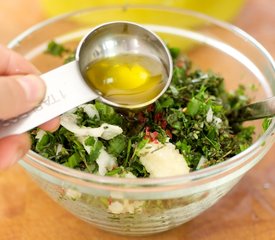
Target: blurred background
x,y
41,9
252,15
222,9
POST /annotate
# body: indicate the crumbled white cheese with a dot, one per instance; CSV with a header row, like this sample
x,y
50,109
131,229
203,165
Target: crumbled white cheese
x,y
163,160
90,109
58,149
72,194
125,206
217,121
209,115
82,140
40,134
105,131
211,118
106,162
203,159
116,207
129,175
110,131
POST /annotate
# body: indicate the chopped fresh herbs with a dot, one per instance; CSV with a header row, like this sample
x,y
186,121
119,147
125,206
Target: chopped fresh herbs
x,y
266,123
174,52
56,49
196,114
59,50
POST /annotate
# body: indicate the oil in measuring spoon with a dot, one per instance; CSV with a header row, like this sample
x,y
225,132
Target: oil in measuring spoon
x,y
127,79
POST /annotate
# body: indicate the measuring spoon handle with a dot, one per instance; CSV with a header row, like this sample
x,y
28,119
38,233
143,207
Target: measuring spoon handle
x,y
66,89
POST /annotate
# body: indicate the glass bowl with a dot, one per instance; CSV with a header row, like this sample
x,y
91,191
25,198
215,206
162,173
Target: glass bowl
x,y
147,206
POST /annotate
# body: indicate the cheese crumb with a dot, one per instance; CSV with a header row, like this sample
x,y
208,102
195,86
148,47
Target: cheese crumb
x,y
209,115
40,134
163,160
106,162
72,194
90,109
125,206
105,131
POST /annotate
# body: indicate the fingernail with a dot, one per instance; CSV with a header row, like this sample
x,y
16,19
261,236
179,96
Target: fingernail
x,y
33,88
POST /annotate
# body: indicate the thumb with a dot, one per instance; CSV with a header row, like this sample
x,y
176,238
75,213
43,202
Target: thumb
x,y
20,94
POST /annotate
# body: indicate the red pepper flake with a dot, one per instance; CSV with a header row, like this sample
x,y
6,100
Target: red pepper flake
x,y
141,117
154,135
169,134
158,117
151,136
150,108
147,131
163,124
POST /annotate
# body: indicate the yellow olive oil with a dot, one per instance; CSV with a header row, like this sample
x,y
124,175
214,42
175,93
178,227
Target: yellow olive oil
x,y
127,79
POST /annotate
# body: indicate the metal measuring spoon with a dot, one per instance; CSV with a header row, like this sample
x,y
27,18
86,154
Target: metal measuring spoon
x,y
66,85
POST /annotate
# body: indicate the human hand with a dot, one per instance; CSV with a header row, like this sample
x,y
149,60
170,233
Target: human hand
x,y
20,91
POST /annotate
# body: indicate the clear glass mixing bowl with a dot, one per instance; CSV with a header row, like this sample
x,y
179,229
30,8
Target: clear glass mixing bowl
x,y
146,206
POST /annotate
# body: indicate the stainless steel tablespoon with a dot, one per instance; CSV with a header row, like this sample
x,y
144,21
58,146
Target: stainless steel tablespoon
x,y
66,85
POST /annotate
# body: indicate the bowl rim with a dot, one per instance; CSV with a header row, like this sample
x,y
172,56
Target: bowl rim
x,y
199,174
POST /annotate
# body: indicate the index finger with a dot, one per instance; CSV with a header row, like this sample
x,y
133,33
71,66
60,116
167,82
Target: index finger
x,y
12,63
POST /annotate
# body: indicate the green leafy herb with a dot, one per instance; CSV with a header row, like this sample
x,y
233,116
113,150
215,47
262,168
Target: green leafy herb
x,y
266,123
174,52
70,58
56,49
117,145
59,50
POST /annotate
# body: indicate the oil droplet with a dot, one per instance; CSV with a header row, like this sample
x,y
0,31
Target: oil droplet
x,y
127,79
